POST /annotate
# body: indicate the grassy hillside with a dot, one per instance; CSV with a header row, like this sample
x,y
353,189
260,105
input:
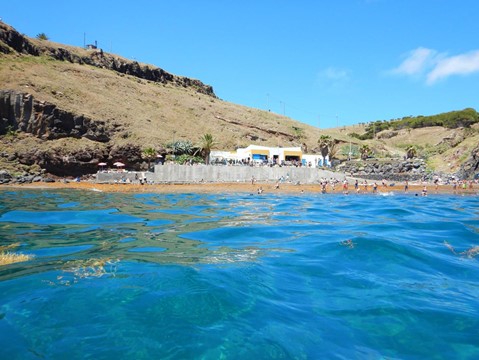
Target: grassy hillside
x,y
149,113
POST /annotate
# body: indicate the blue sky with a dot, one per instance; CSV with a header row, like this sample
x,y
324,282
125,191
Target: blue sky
x,y
323,62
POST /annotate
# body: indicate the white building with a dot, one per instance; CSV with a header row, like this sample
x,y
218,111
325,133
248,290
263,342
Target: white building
x,y
261,154
270,155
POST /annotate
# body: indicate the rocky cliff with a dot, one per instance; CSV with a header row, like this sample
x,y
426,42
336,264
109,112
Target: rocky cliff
x,y
20,111
12,41
471,167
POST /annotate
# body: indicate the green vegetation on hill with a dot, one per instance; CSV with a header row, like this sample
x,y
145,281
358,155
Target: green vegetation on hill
x,y
83,107
451,120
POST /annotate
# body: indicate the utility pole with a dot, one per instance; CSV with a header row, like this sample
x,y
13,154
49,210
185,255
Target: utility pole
x,y
319,121
284,107
337,121
267,102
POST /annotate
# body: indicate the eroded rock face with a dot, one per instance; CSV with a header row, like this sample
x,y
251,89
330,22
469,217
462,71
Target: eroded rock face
x,y
20,111
11,39
66,163
61,162
128,154
471,167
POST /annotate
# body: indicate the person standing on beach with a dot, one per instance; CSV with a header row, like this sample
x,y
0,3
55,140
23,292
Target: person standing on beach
x,y
406,186
356,186
323,187
345,187
365,186
424,191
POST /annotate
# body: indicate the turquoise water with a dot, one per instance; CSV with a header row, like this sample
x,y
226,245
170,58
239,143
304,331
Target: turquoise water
x,y
196,276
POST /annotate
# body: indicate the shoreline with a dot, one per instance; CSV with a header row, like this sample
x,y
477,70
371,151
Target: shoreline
x,y
230,188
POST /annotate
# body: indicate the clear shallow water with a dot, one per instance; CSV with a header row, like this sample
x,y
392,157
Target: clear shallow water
x,y
199,276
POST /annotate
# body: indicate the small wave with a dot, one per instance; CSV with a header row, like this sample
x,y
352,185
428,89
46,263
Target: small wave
x,y
390,193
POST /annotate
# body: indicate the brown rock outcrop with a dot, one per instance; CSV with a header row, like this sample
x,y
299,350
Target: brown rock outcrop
x,y
20,111
470,167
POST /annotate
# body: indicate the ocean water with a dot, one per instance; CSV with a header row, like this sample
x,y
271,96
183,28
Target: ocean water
x,y
271,276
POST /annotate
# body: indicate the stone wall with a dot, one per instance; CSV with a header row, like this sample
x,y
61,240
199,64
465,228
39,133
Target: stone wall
x,y
174,173
397,170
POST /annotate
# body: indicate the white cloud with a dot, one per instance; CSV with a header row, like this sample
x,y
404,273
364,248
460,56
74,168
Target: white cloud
x,y
333,76
437,66
455,65
417,61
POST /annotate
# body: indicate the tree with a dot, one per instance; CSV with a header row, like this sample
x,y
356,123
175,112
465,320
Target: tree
x,y
333,148
42,36
325,142
206,144
148,154
365,151
411,152
298,133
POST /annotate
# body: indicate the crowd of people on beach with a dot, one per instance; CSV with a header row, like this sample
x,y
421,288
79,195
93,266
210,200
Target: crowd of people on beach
x,y
374,187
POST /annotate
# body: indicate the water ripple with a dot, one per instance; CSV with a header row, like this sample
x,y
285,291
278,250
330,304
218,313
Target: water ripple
x,y
239,276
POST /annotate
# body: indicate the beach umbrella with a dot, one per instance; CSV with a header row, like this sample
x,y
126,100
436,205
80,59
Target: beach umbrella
x,y
102,164
119,164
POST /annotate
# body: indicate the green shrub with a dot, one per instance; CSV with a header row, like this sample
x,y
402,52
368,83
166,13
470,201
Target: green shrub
x,y
185,159
42,36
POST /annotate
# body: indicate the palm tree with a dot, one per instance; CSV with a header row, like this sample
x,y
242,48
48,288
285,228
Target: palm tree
x,y
365,151
411,152
206,144
325,142
148,154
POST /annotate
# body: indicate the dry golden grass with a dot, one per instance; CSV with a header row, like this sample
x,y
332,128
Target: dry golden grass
x,y
153,114
148,113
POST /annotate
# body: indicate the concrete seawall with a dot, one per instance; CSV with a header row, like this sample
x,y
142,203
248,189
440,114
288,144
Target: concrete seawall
x,y
174,173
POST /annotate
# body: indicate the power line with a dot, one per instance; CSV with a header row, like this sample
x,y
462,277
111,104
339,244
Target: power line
x,y
324,118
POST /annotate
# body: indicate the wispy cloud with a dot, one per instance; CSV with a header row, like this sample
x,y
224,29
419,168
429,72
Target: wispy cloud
x,y
416,62
437,66
463,64
333,77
